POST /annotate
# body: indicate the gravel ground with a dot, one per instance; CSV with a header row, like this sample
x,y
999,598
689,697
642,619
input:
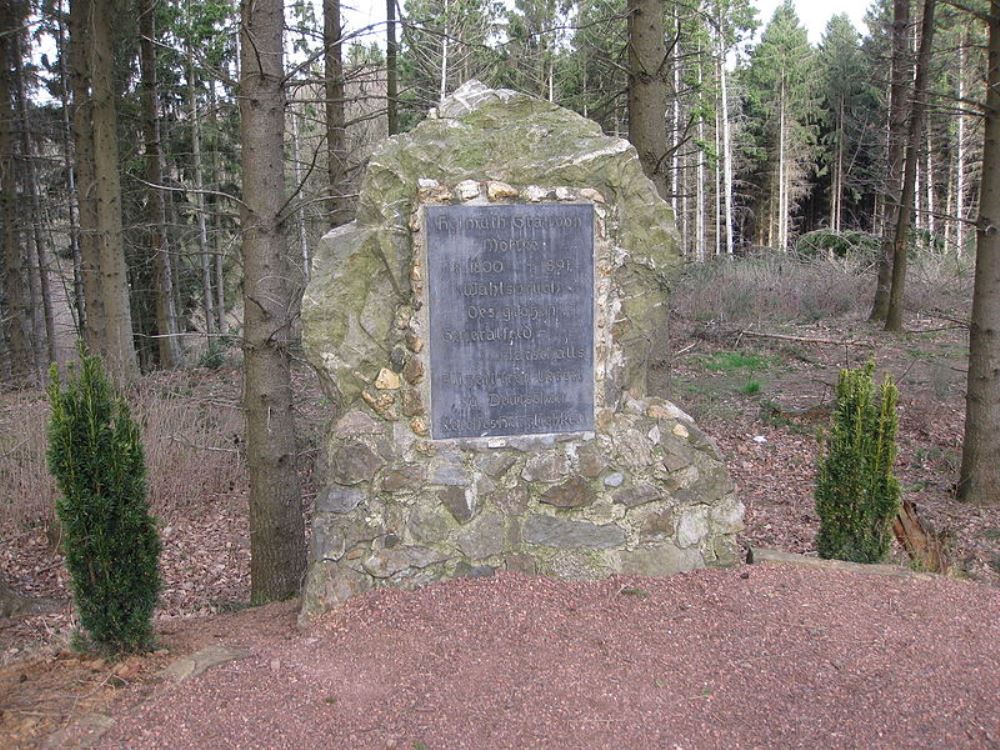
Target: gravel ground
x,y
752,657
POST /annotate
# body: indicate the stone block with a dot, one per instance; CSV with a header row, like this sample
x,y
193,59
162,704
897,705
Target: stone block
x,y
354,463
660,560
573,493
550,531
483,538
459,503
639,494
336,499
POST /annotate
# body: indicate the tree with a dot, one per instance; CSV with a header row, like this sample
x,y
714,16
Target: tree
x,y
391,71
843,89
898,112
894,314
17,312
166,313
108,325
270,299
857,495
110,539
783,107
647,89
336,119
979,480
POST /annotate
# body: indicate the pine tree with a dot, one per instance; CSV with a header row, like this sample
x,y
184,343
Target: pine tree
x,y
783,105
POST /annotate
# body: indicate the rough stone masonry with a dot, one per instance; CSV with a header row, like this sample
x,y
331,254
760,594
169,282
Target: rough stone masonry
x,y
483,329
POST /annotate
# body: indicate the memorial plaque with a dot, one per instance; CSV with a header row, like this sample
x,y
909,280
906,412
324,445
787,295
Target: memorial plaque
x,y
511,296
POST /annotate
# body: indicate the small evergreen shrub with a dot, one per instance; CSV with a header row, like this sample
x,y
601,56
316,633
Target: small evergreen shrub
x,y
109,537
857,495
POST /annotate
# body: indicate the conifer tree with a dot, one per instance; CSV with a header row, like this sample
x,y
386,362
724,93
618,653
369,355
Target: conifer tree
x,y
109,537
857,494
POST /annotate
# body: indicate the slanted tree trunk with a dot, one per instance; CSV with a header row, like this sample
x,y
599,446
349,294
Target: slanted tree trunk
x,y
647,89
979,479
898,112
270,293
17,308
391,94
894,315
168,345
336,127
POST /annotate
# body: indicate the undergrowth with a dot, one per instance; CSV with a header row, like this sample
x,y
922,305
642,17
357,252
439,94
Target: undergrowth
x,y
191,441
779,288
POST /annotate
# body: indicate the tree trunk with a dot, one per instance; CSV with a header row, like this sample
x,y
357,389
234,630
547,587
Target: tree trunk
x,y
894,315
300,214
647,89
93,318
73,200
336,120
727,140
898,112
960,154
114,341
979,480
391,95
36,215
168,345
219,244
207,301
17,308
271,285
782,171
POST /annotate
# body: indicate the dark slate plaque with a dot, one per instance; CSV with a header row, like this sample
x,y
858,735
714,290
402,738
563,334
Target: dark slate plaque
x,y
511,340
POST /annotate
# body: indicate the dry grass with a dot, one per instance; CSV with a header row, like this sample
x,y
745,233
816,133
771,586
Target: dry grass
x,y
785,288
192,445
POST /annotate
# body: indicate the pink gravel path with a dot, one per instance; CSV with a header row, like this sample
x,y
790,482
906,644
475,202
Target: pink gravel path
x,y
755,657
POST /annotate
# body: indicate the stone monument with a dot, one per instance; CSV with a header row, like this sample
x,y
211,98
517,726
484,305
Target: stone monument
x,y
483,329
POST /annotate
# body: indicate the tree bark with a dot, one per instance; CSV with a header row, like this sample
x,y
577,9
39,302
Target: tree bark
x,y
647,89
960,155
67,137
727,141
894,315
168,346
979,479
391,93
111,332
336,127
207,300
93,318
17,308
894,156
46,354
270,301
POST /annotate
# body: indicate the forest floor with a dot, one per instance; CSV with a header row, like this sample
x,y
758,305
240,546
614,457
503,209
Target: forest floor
x,y
761,385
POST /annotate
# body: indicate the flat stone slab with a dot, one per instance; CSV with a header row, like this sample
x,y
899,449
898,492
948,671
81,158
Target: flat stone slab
x,y
201,661
778,557
82,732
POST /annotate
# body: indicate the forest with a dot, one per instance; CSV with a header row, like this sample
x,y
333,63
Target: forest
x,y
168,171
772,144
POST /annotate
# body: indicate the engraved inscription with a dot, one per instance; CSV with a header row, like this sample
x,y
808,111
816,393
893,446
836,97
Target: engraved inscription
x,y
511,319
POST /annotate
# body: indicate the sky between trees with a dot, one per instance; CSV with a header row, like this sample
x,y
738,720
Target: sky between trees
x,y
814,15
